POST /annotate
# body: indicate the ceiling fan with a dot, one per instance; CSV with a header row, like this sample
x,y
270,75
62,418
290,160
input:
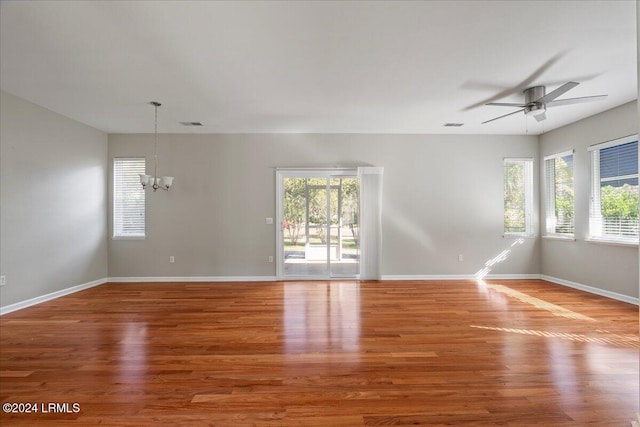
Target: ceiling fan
x,y
536,101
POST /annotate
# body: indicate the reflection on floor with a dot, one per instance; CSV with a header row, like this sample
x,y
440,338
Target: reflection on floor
x,y
322,317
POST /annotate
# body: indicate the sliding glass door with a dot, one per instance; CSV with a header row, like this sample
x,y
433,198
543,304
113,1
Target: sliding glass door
x,y
319,234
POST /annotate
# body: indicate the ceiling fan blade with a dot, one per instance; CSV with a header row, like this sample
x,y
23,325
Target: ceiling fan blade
x,y
506,104
520,86
515,112
540,117
556,93
580,79
569,101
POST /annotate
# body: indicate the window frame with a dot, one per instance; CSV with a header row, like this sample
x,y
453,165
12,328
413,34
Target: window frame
x,y
550,198
116,233
595,220
528,197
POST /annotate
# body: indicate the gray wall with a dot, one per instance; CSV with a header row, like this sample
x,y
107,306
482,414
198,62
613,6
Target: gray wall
x,y
442,197
53,213
608,267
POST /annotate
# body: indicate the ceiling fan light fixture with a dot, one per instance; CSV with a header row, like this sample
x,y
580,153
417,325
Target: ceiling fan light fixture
x,y
535,110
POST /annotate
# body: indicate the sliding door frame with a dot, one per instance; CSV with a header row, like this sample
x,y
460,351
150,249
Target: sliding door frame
x,y
281,174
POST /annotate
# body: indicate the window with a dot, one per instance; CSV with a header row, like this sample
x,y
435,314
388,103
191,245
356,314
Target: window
x,y
558,170
518,196
613,214
128,198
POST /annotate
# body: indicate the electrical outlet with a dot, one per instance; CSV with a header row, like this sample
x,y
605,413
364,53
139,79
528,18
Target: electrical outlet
x,y
460,258
269,221
172,259
270,258
3,280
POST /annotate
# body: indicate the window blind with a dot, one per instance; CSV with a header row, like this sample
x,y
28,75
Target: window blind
x,y
128,197
613,213
559,203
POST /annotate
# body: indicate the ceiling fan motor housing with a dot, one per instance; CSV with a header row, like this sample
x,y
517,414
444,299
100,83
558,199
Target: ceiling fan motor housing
x,y
531,95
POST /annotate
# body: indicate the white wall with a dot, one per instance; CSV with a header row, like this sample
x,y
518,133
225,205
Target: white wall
x,y
442,197
607,267
53,210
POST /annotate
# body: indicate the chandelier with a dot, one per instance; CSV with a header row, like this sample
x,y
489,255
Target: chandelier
x,y
164,182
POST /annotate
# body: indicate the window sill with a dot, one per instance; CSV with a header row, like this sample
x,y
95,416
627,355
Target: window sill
x,y
558,237
518,236
128,237
611,242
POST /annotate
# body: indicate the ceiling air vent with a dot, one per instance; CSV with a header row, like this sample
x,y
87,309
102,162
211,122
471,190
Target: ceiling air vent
x,y
191,123
453,125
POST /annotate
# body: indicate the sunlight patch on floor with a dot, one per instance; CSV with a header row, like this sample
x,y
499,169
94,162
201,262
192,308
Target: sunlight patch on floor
x,y
599,337
556,310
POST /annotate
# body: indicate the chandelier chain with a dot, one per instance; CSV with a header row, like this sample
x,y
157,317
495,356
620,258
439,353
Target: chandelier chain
x,y
155,143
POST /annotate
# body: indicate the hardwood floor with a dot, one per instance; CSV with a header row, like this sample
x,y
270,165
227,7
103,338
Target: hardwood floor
x,y
521,353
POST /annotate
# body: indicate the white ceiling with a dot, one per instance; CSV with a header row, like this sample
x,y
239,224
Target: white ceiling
x,y
315,67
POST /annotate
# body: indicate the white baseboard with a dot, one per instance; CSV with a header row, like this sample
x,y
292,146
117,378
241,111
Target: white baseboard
x,y
591,289
193,279
460,277
48,297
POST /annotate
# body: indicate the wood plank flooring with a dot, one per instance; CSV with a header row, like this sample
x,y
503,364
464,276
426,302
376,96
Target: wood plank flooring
x,y
494,353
